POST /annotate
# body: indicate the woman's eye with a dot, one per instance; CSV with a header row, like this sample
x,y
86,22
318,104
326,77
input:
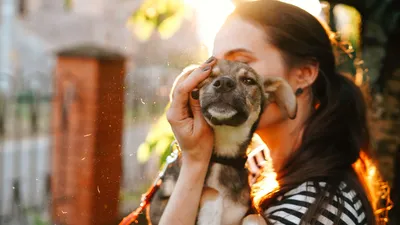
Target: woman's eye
x,y
248,81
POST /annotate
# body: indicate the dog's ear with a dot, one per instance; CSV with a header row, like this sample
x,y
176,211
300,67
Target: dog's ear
x,y
278,90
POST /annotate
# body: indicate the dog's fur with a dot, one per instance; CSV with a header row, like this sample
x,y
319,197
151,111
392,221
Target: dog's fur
x,y
232,99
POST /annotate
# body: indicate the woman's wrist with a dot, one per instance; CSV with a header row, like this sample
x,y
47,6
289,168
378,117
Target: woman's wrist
x,y
183,204
197,161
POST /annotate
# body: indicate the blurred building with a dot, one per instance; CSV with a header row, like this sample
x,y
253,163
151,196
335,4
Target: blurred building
x,y
31,34
42,27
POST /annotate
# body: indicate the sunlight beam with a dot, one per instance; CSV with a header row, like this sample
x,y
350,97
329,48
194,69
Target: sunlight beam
x,y
211,14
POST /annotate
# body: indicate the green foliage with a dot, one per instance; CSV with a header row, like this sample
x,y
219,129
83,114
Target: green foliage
x,y
67,5
37,218
348,26
164,16
133,196
39,221
158,141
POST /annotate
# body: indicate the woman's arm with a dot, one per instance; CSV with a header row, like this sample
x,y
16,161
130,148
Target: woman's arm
x,y
183,204
195,138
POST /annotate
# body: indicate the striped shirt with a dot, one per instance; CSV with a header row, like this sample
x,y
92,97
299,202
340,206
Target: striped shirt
x,y
291,206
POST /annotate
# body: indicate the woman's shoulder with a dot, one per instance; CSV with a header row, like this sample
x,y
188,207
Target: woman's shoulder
x,y
291,206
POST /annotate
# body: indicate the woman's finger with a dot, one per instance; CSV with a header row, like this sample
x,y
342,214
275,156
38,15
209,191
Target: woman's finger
x,y
195,106
189,82
199,122
179,109
186,72
181,77
199,75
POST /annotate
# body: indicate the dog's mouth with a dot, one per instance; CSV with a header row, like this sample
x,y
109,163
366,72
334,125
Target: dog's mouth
x,y
219,112
222,111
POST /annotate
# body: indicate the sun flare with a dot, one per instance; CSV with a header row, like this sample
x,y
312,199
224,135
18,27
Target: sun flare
x,y
211,14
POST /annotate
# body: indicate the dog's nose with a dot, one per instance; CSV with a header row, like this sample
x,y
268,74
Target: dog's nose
x,y
224,84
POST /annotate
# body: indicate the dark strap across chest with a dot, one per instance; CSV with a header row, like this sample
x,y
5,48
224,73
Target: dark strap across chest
x,y
235,162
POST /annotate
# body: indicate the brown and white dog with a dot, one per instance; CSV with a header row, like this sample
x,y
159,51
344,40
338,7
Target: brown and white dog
x,y
232,99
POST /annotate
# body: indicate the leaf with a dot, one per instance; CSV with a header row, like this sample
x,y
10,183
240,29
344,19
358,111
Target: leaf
x,y
176,4
68,4
143,153
141,27
163,144
164,155
158,139
170,26
159,130
163,15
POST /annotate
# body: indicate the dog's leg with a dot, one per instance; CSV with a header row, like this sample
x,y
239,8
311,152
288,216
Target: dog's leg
x,y
254,219
211,206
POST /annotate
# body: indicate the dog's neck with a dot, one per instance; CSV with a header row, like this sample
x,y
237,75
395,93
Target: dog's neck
x,y
231,142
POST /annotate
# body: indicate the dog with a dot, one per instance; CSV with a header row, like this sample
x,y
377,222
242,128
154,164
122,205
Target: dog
x,y
232,99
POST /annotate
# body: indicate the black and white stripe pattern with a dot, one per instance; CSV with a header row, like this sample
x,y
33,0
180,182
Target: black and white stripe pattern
x,y
293,205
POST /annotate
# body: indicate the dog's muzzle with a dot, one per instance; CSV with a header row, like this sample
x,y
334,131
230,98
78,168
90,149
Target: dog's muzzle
x,y
222,103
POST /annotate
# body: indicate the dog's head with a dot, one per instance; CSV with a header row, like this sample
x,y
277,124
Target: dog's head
x,y
235,94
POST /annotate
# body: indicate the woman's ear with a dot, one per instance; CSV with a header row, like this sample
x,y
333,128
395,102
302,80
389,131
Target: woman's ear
x,y
305,75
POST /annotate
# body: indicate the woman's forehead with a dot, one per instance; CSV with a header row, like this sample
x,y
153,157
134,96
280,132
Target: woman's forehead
x,y
238,33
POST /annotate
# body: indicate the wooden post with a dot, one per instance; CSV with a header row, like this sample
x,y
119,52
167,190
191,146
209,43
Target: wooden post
x,y
87,126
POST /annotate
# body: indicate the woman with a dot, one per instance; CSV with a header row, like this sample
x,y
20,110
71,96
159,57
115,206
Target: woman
x,y
312,155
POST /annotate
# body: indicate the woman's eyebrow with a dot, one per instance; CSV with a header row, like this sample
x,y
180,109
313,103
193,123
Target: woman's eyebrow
x,y
237,50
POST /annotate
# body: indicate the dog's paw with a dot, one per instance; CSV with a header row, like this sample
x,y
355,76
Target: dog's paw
x,y
254,219
209,194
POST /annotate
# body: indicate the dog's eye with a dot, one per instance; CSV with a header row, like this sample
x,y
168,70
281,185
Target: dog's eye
x,y
248,81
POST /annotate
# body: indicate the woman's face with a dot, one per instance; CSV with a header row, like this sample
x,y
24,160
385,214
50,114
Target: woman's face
x,y
240,40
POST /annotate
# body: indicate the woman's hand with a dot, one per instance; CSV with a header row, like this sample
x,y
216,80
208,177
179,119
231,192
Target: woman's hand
x,y
194,135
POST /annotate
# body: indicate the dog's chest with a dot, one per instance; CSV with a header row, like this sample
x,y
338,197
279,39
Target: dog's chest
x,y
233,196
212,179
229,182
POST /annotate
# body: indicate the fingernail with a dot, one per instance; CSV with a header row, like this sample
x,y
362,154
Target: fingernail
x,y
210,59
207,68
195,94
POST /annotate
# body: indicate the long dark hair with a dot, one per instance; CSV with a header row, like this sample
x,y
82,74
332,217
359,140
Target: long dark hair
x,y
337,130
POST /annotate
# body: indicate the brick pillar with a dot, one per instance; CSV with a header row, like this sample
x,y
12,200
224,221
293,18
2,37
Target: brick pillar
x,y
87,125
